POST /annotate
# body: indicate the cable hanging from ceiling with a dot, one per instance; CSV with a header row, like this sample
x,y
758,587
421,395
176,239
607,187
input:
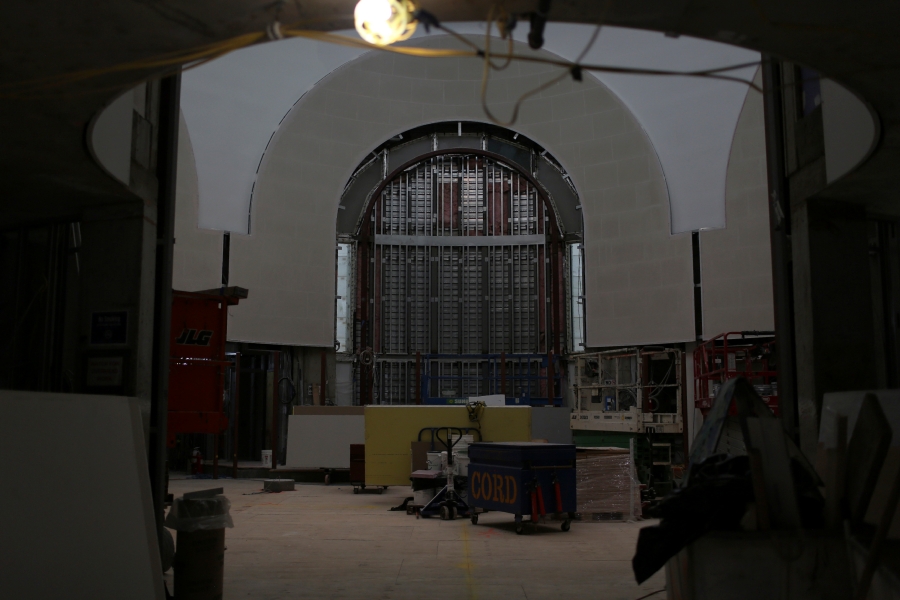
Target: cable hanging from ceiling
x,y
398,21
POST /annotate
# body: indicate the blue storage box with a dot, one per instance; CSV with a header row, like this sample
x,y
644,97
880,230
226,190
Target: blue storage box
x,y
512,476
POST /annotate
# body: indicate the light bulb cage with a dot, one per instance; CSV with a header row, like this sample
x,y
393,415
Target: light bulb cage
x,y
400,26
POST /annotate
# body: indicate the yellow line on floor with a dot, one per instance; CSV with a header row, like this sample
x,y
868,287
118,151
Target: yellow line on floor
x,y
467,565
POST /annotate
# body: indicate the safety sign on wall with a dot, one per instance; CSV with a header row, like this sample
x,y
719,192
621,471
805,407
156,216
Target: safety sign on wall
x,y
109,327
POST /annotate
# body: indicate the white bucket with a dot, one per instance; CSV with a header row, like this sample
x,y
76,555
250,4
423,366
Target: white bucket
x,y
434,461
267,459
462,446
421,497
462,465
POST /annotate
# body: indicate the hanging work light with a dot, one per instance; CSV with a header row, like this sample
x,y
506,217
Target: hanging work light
x,y
384,22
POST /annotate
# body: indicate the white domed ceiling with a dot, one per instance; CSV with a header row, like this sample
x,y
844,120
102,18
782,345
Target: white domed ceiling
x,y
234,105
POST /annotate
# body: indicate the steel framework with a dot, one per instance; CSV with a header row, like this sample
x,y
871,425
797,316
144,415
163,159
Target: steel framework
x,y
629,390
459,256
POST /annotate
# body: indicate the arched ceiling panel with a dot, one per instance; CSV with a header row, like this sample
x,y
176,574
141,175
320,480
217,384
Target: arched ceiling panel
x,y
288,260
234,105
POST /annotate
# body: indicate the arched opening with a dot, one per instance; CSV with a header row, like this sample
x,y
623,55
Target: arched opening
x,y
460,286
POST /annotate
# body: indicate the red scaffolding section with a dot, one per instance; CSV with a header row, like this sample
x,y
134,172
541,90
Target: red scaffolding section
x,y
749,354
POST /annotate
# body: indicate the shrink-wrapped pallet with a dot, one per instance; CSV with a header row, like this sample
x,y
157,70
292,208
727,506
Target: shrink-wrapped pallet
x,y
605,487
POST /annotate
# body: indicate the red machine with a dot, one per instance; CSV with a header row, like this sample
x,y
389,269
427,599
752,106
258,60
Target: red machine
x,y
197,361
749,354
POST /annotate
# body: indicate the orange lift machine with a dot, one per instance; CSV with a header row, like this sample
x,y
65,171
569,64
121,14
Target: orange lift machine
x,y
197,362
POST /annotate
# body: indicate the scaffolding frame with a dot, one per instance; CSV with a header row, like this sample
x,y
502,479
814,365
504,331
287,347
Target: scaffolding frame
x,y
460,255
746,354
614,391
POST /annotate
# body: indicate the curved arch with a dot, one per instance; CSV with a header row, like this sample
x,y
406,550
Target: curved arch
x,y
554,180
510,147
572,123
376,192
332,129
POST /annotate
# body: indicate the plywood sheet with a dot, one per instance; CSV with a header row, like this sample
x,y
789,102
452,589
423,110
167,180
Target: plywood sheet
x,y
75,499
390,429
322,441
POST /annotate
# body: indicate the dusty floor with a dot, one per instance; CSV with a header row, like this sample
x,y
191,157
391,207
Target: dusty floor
x,y
325,542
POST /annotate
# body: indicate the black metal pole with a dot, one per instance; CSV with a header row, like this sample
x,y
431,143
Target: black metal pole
x,y
780,236
166,171
237,413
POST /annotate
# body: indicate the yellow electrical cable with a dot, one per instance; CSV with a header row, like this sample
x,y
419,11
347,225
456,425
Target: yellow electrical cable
x,y
504,34
203,54
488,64
343,40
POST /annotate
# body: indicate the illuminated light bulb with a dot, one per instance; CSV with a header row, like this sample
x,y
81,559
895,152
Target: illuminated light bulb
x,y
383,22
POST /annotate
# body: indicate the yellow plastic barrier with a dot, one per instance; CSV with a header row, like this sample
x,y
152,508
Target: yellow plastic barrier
x,y
390,429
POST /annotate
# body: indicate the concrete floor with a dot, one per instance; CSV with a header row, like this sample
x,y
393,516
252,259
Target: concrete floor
x,y
325,542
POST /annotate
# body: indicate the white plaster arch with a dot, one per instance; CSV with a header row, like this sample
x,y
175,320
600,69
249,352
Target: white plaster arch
x,y
234,104
640,288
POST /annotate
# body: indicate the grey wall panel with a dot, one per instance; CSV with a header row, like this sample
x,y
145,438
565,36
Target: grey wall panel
x,y
75,499
551,424
736,262
323,441
343,383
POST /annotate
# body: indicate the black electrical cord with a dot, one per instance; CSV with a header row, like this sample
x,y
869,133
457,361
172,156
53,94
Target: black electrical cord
x,y
538,22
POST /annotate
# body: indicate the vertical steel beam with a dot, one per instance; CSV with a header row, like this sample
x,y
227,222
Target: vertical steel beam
x,y
418,378
888,256
215,472
555,273
459,281
166,173
780,236
276,401
485,294
407,324
683,406
237,414
220,392
503,373
551,288
323,378
434,292
551,379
